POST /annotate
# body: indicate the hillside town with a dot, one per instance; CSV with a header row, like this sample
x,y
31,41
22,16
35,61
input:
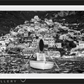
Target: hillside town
x,y
21,43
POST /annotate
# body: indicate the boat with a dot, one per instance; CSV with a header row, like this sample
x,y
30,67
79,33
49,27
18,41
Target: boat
x,y
41,64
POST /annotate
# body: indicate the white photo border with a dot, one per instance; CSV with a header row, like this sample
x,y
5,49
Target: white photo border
x,y
41,8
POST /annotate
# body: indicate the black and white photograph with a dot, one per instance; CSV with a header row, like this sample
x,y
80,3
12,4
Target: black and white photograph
x,y
41,41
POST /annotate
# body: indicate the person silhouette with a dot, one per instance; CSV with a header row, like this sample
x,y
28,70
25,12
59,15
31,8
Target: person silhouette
x,y
41,45
40,55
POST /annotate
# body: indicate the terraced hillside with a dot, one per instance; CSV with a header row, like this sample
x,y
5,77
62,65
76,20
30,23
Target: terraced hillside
x,y
61,31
